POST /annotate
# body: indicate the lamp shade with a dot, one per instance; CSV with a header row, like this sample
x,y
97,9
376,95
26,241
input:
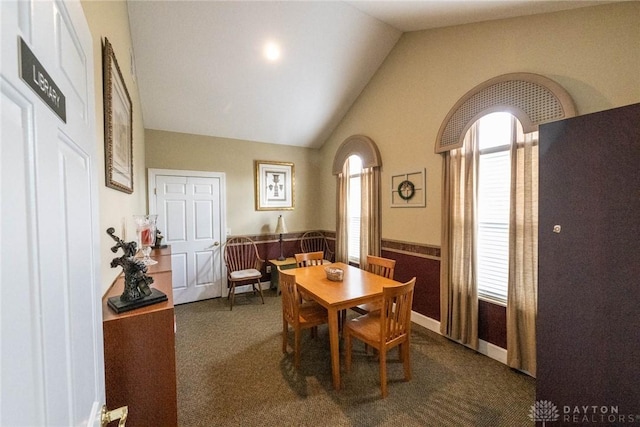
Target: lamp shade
x,y
281,228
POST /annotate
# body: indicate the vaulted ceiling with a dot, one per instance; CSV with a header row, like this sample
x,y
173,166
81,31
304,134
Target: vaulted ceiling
x,y
278,72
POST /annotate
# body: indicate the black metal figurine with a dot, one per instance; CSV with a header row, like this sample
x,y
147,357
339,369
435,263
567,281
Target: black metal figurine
x,y
136,281
137,285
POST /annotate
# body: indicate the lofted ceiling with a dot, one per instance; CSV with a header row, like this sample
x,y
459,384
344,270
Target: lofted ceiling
x,y
278,72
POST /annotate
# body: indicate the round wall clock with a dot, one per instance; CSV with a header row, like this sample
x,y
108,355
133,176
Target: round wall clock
x,y
406,190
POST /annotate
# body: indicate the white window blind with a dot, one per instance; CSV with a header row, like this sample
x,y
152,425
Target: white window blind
x,y
493,225
494,180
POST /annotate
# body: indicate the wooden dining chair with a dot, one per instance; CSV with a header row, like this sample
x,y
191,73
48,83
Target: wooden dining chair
x,y
307,259
314,241
392,328
243,265
382,267
299,314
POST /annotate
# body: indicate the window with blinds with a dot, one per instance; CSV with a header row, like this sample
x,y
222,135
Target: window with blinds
x,y
353,209
495,133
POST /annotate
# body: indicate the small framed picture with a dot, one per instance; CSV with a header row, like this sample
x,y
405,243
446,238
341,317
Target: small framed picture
x,y
118,125
274,185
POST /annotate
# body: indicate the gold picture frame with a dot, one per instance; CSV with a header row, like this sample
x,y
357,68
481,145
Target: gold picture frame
x,y
275,185
118,124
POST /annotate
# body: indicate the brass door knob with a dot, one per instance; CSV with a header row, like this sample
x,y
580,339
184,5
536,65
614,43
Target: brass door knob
x,y
117,414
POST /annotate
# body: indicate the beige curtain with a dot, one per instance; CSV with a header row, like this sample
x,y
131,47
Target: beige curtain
x,y
522,299
458,285
370,234
342,218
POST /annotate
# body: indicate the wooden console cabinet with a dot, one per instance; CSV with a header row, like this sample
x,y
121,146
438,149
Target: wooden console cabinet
x,y
139,353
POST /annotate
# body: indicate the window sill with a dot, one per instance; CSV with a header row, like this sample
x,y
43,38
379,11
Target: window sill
x,y
492,300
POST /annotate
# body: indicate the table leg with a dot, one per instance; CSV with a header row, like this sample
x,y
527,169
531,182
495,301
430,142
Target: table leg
x,y
335,346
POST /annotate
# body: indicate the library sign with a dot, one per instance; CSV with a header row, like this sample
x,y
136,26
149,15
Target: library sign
x,y
36,77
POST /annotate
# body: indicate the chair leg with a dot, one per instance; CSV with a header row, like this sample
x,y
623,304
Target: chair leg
x,y
232,295
260,289
296,351
406,360
285,333
383,371
347,344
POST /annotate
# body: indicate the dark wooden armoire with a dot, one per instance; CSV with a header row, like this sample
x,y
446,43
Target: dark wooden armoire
x,y
588,326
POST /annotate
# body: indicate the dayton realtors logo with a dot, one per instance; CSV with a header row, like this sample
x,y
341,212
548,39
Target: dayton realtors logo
x,y
545,411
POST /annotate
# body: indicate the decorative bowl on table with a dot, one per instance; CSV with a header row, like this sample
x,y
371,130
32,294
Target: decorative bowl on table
x,y
334,274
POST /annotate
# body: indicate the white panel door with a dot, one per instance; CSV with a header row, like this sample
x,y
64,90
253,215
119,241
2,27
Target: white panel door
x,y
190,208
52,368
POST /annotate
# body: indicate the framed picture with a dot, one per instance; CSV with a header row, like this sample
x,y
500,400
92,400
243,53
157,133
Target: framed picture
x,y
408,190
274,185
118,121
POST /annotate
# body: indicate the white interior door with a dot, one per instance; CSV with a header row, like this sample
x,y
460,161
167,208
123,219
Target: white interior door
x,y
52,363
190,208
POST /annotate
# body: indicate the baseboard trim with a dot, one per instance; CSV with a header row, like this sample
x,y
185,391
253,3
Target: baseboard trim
x,y
493,351
425,322
486,348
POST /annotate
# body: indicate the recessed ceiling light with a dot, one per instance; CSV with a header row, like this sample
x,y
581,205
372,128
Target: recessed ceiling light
x,y
271,51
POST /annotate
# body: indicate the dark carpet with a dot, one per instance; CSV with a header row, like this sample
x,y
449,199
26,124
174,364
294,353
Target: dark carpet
x,y
232,372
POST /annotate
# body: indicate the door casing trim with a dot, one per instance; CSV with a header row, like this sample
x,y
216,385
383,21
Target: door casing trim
x,y
152,200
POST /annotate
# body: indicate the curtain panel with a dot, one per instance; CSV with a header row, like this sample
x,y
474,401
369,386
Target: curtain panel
x,y
522,297
342,216
370,234
458,284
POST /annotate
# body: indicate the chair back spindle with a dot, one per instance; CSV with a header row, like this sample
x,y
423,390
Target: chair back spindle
x,y
396,312
308,259
384,267
241,254
290,298
315,241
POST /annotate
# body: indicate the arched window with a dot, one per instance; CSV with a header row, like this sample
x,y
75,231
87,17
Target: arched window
x,y
357,167
489,208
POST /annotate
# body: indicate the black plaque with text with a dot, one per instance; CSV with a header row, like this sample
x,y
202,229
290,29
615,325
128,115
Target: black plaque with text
x,y
34,75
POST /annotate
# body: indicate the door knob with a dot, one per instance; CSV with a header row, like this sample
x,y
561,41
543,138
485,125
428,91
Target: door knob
x,y
216,243
117,414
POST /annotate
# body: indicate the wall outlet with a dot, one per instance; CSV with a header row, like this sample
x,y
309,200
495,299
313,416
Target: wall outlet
x,y
268,269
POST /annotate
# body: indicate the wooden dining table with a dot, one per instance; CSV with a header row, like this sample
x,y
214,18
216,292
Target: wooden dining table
x,y
357,287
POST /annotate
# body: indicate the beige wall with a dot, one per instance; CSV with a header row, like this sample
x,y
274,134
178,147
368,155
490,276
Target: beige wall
x,y
110,19
170,150
593,52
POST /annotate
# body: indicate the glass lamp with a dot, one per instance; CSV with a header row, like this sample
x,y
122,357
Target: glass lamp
x,y
281,228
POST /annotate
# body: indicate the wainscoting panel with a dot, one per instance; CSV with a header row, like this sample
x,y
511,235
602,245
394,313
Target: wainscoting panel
x,y
426,297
